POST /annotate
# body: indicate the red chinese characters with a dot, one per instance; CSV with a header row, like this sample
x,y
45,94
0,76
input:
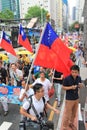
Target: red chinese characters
x,y
3,90
16,91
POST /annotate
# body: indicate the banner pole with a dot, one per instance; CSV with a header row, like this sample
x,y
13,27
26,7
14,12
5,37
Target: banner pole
x,y
35,57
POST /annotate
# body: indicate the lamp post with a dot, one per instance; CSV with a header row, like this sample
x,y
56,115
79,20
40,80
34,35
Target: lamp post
x,y
41,15
47,17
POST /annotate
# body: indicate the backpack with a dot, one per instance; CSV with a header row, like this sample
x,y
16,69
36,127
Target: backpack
x,y
30,101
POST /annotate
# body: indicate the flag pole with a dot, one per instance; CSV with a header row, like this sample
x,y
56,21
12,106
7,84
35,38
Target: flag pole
x,y
35,56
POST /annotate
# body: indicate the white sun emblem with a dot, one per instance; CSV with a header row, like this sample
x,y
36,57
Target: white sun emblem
x,y
49,36
7,37
22,32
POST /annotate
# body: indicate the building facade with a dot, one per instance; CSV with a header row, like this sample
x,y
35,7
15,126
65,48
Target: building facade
x,y
74,13
65,15
79,11
53,7
24,5
12,5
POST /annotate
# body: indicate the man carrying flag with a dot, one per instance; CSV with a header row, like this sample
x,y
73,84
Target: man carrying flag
x,y
52,52
6,44
23,40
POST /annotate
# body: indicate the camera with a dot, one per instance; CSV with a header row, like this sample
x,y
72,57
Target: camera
x,y
46,125
41,124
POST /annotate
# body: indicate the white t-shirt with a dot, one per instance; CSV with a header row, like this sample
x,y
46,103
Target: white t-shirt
x,y
46,84
18,74
28,93
38,104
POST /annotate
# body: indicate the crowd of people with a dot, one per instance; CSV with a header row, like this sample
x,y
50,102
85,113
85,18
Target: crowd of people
x,y
13,73
41,81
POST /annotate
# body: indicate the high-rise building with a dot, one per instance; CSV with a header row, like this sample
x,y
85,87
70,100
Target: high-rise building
x,y
79,11
65,15
12,5
25,4
5,4
56,14
0,5
74,13
15,8
55,8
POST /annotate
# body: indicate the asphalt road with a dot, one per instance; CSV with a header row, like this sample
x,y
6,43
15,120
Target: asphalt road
x,y
13,117
11,121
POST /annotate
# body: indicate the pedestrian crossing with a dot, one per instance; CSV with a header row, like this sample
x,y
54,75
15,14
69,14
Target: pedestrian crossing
x,y
5,125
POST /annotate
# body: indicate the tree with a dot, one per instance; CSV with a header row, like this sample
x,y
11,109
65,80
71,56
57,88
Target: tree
x,y
6,15
36,11
75,26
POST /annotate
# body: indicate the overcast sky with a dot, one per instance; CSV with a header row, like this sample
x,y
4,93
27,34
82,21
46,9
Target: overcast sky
x,y
72,2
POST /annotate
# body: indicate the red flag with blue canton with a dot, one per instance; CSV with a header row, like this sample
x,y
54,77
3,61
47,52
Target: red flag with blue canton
x,y
6,44
52,52
23,40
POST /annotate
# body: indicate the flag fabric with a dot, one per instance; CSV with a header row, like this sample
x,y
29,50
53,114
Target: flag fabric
x,y
6,44
23,40
52,52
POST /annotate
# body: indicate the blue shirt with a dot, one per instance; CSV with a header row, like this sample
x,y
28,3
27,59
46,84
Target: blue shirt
x,y
36,69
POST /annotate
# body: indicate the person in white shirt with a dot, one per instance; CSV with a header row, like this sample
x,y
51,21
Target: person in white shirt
x,y
23,93
16,75
45,82
37,101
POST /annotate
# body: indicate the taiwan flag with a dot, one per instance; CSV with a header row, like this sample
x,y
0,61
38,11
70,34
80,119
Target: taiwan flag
x,y
6,44
52,53
23,40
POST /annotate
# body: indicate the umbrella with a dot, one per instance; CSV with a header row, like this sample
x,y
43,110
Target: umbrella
x,y
4,57
72,48
33,56
24,52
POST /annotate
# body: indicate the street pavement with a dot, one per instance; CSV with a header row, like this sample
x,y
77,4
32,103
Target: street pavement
x,y
60,127
11,121
79,120
13,118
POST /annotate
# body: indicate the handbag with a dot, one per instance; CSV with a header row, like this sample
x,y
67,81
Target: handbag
x,y
51,92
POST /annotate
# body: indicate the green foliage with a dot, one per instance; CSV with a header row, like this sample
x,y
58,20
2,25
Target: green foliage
x,y
35,11
72,27
6,14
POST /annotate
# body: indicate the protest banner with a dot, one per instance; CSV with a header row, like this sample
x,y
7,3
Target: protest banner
x,y
10,94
